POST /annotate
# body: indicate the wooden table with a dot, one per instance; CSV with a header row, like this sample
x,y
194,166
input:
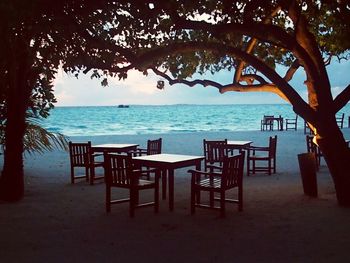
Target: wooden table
x,y
114,147
168,163
279,121
238,145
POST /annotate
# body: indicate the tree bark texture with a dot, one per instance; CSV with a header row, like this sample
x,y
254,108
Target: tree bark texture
x,y
18,95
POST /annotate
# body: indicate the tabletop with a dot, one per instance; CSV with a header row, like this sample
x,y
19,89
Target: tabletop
x,y
168,158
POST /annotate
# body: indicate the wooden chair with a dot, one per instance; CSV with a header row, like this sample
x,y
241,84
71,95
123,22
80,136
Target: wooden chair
x,y
257,154
120,172
81,156
214,153
340,121
292,124
267,123
307,129
153,147
230,177
313,148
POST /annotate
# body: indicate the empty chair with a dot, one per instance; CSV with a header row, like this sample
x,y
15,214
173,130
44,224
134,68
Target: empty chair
x,y
262,159
120,172
214,152
81,156
153,147
313,148
292,124
340,120
307,129
230,177
267,123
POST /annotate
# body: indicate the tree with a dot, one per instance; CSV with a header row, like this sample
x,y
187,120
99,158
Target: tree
x,y
179,38
176,39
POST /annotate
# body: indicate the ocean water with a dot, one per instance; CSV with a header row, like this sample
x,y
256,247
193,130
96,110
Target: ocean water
x,y
142,119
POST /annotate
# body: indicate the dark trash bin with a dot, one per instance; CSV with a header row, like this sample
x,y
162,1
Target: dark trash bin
x,y
307,165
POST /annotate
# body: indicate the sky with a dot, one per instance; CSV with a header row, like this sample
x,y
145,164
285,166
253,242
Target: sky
x,y
140,89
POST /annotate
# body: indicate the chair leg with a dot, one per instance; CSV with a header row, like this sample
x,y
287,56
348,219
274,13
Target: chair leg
x,y
240,198
164,183
72,175
92,175
87,174
193,199
156,196
222,204
108,199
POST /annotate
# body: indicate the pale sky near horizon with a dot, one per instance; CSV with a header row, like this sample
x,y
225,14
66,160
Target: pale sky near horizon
x,y
140,89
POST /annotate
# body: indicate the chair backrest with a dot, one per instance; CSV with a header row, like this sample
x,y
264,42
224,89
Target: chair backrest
x,y
154,146
272,146
118,169
79,153
214,151
311,146
340,120
267,118
232,171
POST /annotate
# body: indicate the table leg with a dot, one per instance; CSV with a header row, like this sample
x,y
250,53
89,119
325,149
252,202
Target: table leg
x,y
164,179
171,189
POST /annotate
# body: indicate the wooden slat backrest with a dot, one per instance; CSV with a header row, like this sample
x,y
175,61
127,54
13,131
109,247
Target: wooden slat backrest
x,y
79,152
273,146
118,169
214,151
154,146
232,171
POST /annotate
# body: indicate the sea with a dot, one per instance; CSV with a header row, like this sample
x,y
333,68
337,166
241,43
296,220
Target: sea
x,y
160,119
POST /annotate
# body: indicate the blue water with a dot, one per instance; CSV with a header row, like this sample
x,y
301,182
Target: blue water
x,y
139,119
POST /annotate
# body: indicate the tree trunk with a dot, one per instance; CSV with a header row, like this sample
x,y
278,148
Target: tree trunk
x,y
18,95
337,156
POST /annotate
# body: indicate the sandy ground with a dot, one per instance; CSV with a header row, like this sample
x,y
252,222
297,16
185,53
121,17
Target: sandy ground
x,y
60,222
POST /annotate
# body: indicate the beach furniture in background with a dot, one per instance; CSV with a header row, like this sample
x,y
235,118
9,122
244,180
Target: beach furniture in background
x,y
167,163
292,124
340,120
307,129
81,156
231,176
120,172
262,159
114,147
153,147
311,147
214,153
266,123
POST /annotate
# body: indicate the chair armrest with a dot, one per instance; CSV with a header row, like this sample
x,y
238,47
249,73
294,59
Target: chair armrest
x,y
197,172
257,148
138,152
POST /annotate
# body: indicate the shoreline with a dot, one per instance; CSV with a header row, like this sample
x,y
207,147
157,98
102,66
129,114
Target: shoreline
x,y
57,221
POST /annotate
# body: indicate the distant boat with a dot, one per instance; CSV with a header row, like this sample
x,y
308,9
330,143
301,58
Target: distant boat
x,y
123,106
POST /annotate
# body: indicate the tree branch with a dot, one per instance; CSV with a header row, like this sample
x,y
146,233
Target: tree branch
x,y
342,99
291,71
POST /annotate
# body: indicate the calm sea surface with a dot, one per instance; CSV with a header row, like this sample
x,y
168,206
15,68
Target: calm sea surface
x,y
139,119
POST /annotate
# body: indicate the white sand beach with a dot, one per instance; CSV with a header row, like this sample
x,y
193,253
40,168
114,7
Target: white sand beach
x,y
61,222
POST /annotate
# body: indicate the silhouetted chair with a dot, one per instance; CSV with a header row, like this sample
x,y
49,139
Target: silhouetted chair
x,y
214,152
120,172
153,147
340,121
81,156
313,148
307,129
230,177
292,124
267,123
262,159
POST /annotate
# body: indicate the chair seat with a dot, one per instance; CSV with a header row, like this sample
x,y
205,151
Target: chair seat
x,y
209,183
